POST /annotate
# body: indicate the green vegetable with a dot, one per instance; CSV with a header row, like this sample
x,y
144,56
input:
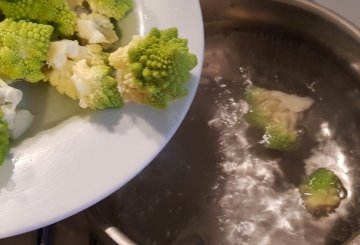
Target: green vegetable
x,y
111,8
322,191
280,138
23,49
54,12
277,114
95,87
4,141
82,73
94,54
154,69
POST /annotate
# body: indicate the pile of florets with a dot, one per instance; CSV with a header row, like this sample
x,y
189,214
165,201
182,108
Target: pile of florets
x,y
66,43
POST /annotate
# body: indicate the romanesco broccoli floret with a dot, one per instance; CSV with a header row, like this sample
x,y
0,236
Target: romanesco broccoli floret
x,y
96,28
276,113
154,69
111,8
4,141
13,122
95,87
54,12
82,73
23,49
322,191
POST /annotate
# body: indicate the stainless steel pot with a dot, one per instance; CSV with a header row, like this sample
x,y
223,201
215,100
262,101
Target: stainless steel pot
x,y
215,183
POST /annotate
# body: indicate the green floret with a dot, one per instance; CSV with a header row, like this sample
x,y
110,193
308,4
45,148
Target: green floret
x,y
257,116
154,69
111,8
96,88
277,114
322,191
280,138
4,140
94,54
82,73
23,49
54,12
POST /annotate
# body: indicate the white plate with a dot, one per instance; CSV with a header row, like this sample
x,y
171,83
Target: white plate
x,y
71,160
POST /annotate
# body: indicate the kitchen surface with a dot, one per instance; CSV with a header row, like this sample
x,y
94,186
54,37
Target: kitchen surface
x,y
170,194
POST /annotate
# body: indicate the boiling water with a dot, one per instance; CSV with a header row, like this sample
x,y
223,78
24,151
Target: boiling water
x,y
260,202
259,205
215,183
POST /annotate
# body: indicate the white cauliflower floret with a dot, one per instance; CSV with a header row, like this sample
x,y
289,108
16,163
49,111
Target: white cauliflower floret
x,y
18,121
96,28
61,58
61,51
9,99
82,73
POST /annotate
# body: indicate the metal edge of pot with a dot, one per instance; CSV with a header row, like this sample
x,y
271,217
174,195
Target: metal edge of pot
x,y
327,14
